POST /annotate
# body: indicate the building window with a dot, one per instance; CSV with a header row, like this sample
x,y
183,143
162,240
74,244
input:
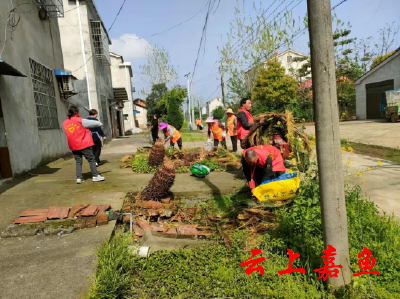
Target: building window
x,y
289,59
126,117
104,116
100,41
44,94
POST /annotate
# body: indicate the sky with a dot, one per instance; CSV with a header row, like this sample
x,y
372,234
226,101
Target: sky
x,y
142,18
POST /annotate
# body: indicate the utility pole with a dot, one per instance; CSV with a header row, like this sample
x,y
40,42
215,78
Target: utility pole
x,y
198,103
329,155
188,98
192,105
221,69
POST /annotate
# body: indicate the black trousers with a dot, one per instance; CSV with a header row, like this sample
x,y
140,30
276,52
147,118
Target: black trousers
x,y
223,142
260,174
199,127
234,140
97,151
154,135
179,142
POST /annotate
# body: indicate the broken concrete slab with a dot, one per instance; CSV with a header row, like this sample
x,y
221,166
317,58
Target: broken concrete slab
x,y
21,230
156,242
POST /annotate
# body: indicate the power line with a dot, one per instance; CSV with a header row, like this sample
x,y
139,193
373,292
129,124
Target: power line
x,y
123,3
151,35
340,3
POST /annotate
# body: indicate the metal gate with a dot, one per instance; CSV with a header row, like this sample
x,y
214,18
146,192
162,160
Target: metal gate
x,y
374,95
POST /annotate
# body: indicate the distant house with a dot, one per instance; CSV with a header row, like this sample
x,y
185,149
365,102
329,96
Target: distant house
x,y
211,105
371,86
140,111
290,62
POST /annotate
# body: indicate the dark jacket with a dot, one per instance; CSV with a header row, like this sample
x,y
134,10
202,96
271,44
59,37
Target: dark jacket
x,y
97,133
244,121
154,125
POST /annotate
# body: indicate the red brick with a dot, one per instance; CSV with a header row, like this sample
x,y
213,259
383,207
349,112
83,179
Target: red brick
x,y
144,225
153,213
31,219
127,218
171,231
34,212
89,211
151,204
187,229
91,221
80,222
57,213
102,219
103,208
75,209
138,231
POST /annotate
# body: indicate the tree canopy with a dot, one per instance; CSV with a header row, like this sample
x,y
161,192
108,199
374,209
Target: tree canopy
x,y
218,113
379,59
273,88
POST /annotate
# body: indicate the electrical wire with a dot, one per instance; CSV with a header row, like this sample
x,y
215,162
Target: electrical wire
x,y
123,3
173,27
340,3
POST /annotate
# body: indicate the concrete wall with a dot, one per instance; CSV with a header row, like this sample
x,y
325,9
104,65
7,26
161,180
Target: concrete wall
x,y
121,78
39,40
99,76
141,117
388,71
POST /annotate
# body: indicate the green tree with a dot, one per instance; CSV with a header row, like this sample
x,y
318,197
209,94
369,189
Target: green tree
x,y
218,113
204,116
196,112
158,91
175,116
273,89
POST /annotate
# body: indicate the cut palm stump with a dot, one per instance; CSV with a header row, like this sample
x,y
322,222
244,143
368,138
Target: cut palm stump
x,y
157,154
160,184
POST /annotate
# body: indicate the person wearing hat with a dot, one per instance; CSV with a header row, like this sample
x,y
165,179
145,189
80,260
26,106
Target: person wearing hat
x,y
218,131
231,128
171,134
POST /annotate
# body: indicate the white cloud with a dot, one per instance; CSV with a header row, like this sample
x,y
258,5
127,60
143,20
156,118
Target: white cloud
x,y
130,47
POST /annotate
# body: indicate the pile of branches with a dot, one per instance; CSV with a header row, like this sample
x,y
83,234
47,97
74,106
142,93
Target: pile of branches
x,y
269,124
157,153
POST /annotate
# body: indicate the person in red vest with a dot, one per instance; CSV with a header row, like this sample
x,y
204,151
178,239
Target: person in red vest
x,y
262,163
244,120
231,128
80,142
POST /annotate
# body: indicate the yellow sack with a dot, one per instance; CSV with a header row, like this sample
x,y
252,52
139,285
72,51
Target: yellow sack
x,y
282,188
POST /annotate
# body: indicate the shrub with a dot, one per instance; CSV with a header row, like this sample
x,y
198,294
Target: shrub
x,y
218,113
140,164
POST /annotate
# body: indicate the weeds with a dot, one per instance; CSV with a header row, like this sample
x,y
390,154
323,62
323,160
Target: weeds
x,y
140,164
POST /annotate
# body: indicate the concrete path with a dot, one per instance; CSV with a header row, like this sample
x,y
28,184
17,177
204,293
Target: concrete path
x,y
382,184
377,132
63,267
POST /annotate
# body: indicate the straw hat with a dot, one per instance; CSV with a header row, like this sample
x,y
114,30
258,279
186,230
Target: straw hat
x,y
229,111
163,126
209,120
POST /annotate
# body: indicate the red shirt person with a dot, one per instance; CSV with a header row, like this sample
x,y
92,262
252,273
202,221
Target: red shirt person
x,y
262,163
80,142
244,119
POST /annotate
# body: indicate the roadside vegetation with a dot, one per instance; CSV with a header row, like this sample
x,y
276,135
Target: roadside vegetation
x,y
215,271
375,151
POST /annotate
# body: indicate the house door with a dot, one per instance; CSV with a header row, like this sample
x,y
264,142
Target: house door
x,y
374,96
112,122
5,162
119,123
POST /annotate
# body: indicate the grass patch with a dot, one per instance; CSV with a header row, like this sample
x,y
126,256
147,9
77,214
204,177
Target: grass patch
x,y
189,137
375,151
140,164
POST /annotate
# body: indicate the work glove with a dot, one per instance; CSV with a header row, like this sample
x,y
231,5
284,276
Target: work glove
x,y
224,134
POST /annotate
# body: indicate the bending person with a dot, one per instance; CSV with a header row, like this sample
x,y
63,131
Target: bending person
x,y
171,134
262,163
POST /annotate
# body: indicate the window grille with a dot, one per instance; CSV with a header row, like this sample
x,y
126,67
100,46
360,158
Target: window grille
x,y
66,82
44,94
100,42
104,111
54,8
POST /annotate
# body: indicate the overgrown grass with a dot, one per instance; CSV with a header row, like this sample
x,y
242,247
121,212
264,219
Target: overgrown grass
x,y
376,151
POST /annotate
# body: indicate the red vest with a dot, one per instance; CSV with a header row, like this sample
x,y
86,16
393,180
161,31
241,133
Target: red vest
x,y
78,136
263,151
242,133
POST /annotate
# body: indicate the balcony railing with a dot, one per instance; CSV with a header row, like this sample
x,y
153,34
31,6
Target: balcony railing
x,y
100,42
54,8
